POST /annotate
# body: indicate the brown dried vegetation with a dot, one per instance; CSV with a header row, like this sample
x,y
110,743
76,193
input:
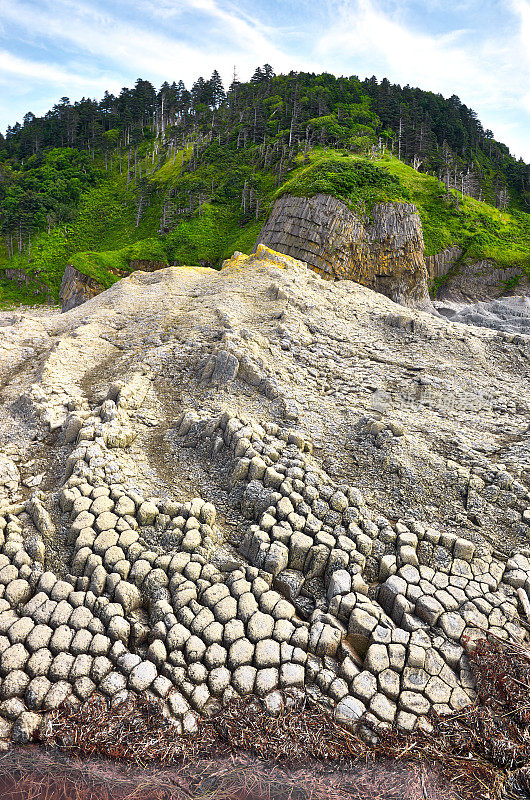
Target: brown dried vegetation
x,y
480,753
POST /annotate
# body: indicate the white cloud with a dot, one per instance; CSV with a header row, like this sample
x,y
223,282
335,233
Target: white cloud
x,y
435,61
12,66
487,72
226,38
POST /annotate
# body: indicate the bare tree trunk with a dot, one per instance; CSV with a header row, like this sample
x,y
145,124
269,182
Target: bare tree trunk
x,y
139,210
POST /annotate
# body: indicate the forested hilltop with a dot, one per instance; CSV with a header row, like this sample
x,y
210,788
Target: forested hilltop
x,y
188,176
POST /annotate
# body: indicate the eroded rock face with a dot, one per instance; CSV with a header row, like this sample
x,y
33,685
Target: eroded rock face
x,y
77,288
385,253
440,264
255,480
480,281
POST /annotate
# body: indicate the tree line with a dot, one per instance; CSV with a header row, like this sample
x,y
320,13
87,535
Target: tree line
x,y
46,162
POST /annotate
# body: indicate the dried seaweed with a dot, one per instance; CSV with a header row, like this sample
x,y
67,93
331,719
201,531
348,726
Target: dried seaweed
x,y
481,752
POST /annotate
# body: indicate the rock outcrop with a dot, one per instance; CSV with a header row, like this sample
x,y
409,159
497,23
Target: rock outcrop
x,y
77,288
508,314
480,281
441,263
250,481
385,252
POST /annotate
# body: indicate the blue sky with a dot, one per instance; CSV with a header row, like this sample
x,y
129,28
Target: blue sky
x,y
477,50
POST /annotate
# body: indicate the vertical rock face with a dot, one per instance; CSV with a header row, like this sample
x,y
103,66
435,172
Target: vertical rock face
x,y
440,264
76,288
385,253
480,281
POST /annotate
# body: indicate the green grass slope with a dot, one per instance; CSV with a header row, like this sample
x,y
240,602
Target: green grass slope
x,y
208,219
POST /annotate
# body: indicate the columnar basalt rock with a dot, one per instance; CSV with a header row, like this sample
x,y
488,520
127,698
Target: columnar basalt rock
x,y
365,615
229,500
77,288
384,252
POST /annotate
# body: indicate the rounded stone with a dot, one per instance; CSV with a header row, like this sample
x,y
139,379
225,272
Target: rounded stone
x,y
61,639
61,666
17,591
194,649
243,679
56,695
240,652
267,654
260,626
232,631
105,521
26,727
101,666
215,656
292,676
39,662
14,684
348,711
218,680
20,630
81,666
12,708
125,506
15,657
142,676
364,686
376,659
84,688
39,637
267,680
225,610
383,708
81,642
100,505
36,691
147,513
414,703
112,683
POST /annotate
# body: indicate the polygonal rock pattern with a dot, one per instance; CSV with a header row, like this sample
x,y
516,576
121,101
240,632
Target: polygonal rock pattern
x,y
308,591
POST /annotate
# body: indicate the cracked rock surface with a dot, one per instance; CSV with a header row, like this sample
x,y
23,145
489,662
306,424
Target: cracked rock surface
x,y
217,484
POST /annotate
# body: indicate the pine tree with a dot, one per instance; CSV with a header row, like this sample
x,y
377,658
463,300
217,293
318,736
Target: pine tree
x,y
217,91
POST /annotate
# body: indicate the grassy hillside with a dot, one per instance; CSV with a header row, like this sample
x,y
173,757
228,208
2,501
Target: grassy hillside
x,y
116,223
189,176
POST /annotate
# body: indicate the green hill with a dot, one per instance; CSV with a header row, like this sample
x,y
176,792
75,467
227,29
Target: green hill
x,y
189,177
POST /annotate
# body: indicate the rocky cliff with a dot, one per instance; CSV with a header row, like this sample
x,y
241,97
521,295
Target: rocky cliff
x,y
385,252
77,288
249,481
472,282
441,263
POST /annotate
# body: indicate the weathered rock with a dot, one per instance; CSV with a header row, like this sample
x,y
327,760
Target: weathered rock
x,y
385,254
77,288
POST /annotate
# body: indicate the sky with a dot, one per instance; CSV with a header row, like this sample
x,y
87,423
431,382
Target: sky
x,y
476,49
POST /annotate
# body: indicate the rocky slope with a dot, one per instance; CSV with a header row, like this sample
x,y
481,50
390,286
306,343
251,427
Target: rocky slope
x,y
211,490
509,314
385,253
479,281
